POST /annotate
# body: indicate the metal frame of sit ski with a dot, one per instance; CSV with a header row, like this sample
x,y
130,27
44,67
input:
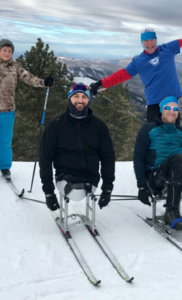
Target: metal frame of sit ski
x,y
89,222
158,222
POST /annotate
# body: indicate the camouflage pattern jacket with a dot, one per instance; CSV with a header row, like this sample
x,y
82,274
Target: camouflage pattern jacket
x,y
10,73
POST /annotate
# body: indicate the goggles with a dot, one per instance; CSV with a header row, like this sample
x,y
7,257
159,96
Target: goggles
x,y
175,108
80,87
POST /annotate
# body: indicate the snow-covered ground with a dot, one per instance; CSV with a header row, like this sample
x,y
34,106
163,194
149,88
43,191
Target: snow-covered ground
x,y
84,80
36,263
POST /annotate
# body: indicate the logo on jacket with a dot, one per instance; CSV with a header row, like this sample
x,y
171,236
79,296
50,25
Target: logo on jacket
x,y
154,61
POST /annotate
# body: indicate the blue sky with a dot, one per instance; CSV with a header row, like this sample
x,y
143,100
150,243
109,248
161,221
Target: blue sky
x,y
108,29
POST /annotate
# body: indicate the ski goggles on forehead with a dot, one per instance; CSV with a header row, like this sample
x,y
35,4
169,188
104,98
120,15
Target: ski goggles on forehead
x,y
175,108
80,87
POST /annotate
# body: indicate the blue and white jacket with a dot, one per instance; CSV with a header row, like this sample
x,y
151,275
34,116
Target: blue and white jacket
x,y
155,143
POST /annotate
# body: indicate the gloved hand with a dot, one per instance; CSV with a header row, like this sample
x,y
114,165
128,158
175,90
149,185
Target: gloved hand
x,y
52,202
144,194
105,198
49,80
95,86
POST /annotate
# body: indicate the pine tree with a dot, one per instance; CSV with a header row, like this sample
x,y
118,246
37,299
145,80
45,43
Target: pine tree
x,y
122,126
30,101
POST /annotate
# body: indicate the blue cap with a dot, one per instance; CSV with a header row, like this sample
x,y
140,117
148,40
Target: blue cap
x,y
79,87
149,35
167,100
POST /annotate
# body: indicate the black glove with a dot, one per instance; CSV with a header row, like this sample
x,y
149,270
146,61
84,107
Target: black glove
x,y
105,198
144,194
95,86
52,202
49,81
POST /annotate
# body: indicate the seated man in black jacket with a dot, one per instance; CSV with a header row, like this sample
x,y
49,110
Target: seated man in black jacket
x,y
158,159
74,142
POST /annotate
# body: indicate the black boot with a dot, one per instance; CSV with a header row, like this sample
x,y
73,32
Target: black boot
x,y
6,173
170,215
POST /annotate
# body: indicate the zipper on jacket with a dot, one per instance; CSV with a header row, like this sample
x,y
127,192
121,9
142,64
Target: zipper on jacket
x,y
81,148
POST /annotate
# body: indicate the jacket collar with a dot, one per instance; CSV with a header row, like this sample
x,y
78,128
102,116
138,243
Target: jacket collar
x,y
7,61
158,120
149,53
90,112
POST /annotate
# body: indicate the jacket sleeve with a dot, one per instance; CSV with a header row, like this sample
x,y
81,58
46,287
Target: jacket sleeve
x,y
115,78
29,79
107,158
46,157
140,152
180,43
174,46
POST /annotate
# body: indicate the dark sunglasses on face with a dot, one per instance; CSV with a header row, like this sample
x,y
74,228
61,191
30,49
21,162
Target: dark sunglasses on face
x,y
175,108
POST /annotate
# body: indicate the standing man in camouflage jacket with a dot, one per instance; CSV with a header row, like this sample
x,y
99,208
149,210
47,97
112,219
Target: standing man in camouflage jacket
x,y
10,73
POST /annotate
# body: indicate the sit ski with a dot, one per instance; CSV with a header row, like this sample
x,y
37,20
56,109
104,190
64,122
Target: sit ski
x,y
89,222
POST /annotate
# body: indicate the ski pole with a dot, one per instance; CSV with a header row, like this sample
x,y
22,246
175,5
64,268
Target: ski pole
x,y
127,196
40,135
128,199
110,100
34,200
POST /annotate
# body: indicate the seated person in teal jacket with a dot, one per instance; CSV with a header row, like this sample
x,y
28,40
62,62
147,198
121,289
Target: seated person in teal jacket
x,y
158,154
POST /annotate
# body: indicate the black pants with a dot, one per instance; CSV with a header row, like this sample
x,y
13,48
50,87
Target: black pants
x,y
152,111
170,170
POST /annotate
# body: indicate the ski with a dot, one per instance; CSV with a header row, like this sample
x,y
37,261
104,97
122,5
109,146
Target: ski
x,y
161,231
17,192
79,257
13,187
108,253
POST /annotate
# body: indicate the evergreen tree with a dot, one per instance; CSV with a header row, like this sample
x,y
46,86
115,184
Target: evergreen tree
x,y
122,126
30,101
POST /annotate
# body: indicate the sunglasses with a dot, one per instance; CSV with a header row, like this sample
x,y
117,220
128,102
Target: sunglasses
x,y
80,87
167,107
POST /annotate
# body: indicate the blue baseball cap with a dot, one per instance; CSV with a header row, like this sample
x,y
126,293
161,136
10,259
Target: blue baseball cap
x,y
79,87
167,100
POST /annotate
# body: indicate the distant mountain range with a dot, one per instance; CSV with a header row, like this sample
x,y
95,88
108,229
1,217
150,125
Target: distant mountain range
x,y
98,69
88,71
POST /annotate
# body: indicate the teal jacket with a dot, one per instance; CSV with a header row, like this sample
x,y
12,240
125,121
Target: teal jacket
x,y
155,143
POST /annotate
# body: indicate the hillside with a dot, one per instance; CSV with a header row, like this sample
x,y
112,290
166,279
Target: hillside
x,y
36,263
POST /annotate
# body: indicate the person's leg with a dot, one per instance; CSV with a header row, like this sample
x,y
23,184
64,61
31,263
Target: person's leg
x,y
6,134
152,111
172,170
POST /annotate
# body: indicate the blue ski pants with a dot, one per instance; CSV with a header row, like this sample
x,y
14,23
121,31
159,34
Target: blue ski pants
x,y
6,135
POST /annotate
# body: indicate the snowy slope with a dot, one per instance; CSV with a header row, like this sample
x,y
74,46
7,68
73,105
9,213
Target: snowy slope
x,y
36,263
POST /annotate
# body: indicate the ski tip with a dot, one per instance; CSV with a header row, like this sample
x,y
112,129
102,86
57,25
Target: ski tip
x,y
22,193
97,282
130,279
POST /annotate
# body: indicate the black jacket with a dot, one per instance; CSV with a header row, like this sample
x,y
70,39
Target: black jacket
x,y
75,147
